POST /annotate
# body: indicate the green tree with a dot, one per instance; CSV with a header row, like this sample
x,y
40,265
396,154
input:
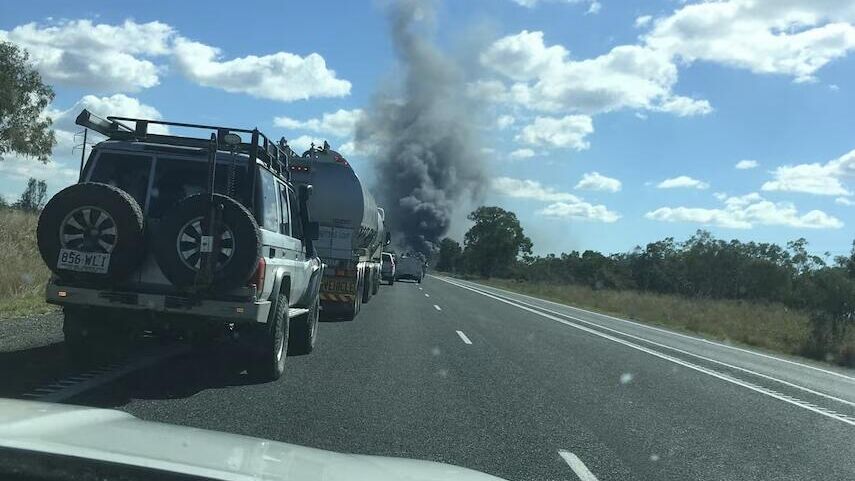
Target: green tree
x,y
23,98
494,243
450,255
34,196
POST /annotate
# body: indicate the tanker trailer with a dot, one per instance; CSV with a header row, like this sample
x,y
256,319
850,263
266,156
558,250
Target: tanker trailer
x,y
351,228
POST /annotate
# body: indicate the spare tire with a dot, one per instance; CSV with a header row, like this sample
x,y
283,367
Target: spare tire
x,y
92,218
179,236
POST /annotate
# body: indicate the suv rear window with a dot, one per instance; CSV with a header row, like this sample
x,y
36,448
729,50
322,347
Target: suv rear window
x,y
177,178
127,172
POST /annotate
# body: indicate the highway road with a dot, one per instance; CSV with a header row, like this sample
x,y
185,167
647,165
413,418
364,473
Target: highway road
x,y
520,388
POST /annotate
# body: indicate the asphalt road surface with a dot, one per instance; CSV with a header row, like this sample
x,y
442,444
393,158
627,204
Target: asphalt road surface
x,y
516,387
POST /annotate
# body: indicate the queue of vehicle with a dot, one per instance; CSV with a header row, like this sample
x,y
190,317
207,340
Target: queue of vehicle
x,y
223,232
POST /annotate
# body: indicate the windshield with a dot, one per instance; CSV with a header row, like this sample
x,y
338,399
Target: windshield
x,y
535,239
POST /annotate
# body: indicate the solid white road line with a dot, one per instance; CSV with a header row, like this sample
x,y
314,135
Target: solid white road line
x,y
705,358
762,390
463,337
437,307
666,331
577,466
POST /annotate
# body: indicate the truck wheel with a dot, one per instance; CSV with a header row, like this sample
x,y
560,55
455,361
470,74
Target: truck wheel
x,y
178,241
269,349
304,331
375,284
366,287
92,218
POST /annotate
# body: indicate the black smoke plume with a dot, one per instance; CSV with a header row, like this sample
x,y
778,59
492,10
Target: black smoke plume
x,y
422,134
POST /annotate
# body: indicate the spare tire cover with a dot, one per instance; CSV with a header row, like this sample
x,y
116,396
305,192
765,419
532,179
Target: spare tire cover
x,y
92,218
178,240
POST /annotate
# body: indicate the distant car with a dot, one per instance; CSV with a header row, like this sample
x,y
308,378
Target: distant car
x,y
387,268
410,268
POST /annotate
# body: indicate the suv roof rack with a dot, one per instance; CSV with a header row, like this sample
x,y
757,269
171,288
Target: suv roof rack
x,y
274,155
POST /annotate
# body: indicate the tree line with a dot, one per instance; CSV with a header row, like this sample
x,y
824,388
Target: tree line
x,y
699,267
31,200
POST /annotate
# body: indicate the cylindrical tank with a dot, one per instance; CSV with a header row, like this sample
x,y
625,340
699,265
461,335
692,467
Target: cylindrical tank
x,y
339,199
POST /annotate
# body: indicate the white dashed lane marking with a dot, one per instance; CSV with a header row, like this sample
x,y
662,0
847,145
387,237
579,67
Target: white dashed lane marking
x,y
427,295
463,337
577,466
437,307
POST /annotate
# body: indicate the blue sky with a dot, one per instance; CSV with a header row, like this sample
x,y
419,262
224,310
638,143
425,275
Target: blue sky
x,y
638,92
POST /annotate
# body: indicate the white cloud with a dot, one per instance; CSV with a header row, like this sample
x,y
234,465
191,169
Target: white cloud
x,y
643,21
789,37
580,210
598,182
522,154
303,142
566,132
546,79
594,8
340,123
280,76
816,178
746,164
593,4
563,204
121,58
119,105
505,121
744,212
682,182
530,189
523,56
98,57
684,106
844,201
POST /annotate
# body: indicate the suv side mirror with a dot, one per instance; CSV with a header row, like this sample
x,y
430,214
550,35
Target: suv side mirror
x,y
311,231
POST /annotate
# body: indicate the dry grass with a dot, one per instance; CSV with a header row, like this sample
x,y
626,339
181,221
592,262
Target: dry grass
x,y
769,326
22,272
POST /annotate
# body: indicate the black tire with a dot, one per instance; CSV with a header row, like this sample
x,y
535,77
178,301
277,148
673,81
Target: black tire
x,y
179,259
270,345
366,286
392,281
72,212
303,332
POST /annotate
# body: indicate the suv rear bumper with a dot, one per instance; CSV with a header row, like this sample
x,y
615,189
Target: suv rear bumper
x,y
230,311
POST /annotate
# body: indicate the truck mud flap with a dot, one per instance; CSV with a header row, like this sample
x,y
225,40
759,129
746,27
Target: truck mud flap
x,y
329,297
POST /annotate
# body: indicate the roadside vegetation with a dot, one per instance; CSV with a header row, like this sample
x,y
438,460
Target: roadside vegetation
x,y
761,294
22,272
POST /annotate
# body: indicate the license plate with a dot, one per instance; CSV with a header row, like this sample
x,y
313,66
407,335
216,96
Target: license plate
x,y
72,260
338,286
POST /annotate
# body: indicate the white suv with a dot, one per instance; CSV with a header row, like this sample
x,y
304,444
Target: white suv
x,y
203,235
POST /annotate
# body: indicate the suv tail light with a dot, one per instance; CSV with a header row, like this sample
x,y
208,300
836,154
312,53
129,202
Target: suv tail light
x,y
257,279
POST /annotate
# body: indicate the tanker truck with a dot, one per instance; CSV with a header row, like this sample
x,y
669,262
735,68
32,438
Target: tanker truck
x,y
352,233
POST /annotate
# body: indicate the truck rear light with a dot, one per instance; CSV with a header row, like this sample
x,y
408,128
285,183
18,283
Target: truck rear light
x,y
257,279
